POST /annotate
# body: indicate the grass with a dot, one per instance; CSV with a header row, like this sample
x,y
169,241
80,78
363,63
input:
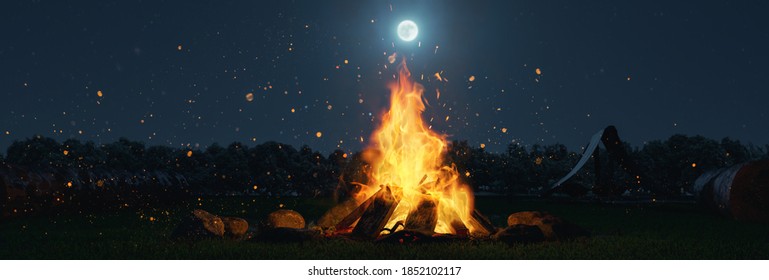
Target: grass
x,y
632,231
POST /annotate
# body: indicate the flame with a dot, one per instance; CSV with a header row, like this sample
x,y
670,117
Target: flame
x,y
410,159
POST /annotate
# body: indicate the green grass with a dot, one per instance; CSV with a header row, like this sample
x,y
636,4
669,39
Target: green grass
x,y
634,231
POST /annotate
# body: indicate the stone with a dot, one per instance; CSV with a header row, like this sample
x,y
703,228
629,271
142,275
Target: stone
x,y
520,233
200,224
553,228
210,222
235,227
285,219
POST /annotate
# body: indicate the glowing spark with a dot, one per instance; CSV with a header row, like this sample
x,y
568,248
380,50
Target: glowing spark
x,y
249,97
438,76
392,57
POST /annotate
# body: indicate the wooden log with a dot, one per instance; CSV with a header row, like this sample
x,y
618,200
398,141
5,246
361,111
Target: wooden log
x,y
351,218
459,228
336,214
481,224
424,217
375,218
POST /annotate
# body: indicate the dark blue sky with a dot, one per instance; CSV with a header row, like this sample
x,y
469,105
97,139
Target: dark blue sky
x,y
178,72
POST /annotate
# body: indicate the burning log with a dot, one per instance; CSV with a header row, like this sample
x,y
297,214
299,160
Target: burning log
x,y
377,214
424,217
332,217
350,219
481,224
459,228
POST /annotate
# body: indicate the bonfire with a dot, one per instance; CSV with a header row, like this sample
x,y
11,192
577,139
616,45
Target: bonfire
x,y
410,187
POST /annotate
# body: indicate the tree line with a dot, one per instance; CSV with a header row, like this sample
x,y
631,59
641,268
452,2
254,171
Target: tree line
x,y
273,168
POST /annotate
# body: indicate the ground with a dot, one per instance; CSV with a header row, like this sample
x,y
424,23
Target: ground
x,y
626,231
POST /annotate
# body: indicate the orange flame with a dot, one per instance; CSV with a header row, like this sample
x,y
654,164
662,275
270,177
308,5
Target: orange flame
x,y
410,159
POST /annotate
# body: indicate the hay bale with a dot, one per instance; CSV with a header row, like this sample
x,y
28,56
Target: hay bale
x,y
740,191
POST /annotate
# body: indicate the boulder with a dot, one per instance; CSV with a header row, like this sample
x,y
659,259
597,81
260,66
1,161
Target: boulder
x,y
200,224
520,233
284,219
235,227
553,228
210,222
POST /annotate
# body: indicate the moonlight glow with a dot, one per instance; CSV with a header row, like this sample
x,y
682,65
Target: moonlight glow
x,y
407,30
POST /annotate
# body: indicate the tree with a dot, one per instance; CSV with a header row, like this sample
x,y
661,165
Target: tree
x,y
124,155
517,175
734,151
35,151
159,158
231,166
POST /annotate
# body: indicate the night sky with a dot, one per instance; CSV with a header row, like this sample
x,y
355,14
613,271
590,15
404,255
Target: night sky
x,y
179,73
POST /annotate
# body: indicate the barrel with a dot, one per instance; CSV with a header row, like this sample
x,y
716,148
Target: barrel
x,y
740,191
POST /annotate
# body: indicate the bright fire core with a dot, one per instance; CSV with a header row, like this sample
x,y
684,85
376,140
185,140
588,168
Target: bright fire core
x,y
411,161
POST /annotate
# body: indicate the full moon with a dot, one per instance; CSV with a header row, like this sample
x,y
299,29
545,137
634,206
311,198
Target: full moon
x,y
407,30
